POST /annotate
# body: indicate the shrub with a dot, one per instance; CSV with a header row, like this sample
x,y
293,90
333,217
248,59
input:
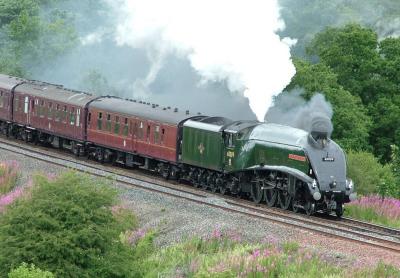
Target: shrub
x,y
66,227
8,176
368,174
24,271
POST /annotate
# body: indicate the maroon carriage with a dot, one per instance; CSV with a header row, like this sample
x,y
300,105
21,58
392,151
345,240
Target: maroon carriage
x,y
133,131
7,85
51,112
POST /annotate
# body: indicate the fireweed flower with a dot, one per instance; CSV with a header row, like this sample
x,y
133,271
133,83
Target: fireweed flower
x,y
216,234
8,176
135,236
388,207
256,254
10,197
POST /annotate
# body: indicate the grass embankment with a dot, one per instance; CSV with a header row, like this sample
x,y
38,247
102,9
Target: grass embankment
x,y
8,176
74,226
376,210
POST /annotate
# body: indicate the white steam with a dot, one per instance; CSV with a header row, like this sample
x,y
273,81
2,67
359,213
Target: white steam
x,y
231,41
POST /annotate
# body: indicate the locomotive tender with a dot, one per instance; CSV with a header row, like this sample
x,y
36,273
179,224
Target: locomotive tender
x,y
279,165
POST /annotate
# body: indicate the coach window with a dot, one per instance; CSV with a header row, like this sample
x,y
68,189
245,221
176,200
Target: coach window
x,y
108,123
26,105
57,115
157,134
78,116
41,109
125,131
16,104
37,110
162,136
99,121
64,114
89,117
116,126
1,99
72,116
33,106
148,133
50,111
140,130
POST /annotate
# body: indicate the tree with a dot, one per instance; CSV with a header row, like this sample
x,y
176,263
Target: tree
x,y
386,126
351,52
32,33
350,120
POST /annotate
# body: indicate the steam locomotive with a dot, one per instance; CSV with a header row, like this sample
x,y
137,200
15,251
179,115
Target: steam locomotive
x,y
279,165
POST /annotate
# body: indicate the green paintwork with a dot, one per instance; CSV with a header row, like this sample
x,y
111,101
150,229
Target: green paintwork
x,y
202,148
264,144
253,153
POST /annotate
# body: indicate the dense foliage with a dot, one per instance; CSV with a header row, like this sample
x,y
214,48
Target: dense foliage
x,y
25,271
66,226
31,33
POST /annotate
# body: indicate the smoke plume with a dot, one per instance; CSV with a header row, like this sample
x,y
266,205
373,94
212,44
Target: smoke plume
x,y
291,109
230,42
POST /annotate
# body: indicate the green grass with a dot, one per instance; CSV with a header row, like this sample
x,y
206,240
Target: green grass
x,y
224,257
370,215
8,176
376,210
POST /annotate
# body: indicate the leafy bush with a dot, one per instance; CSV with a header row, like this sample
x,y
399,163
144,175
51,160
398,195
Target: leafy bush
x,y
368,174
8,176
66,227
24,271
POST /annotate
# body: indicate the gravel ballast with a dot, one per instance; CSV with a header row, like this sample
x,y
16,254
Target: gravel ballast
x,y
178,219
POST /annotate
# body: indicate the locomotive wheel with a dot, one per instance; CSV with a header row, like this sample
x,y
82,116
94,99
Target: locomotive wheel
x,y
222,188
257,193
285,200
204,185
212,183
295,207
271,197
339,210
309,208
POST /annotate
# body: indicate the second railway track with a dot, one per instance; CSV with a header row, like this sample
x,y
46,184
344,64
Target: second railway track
x,y
346,229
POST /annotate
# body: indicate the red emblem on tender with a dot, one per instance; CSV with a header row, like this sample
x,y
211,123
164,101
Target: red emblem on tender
x,y
297,157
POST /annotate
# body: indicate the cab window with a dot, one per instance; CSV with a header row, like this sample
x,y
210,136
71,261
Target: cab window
x,y
229,140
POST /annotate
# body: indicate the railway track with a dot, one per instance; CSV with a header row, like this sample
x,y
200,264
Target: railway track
x,y
346,229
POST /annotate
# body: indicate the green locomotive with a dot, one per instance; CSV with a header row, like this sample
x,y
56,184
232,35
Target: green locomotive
x,y
277,164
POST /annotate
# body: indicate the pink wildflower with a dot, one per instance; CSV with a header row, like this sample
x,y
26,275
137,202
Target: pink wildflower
x,y
388,207
256,254
266,253
234,236
135,236
9,198
217,234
